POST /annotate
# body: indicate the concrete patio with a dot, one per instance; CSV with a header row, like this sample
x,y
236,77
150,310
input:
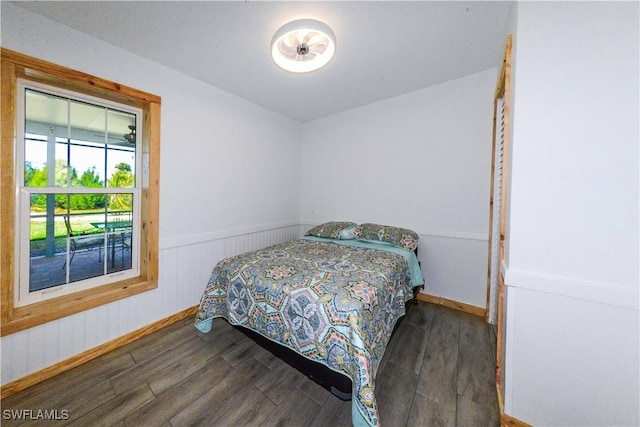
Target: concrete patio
x,y
46,272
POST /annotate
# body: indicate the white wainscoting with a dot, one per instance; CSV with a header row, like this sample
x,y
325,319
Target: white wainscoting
x,y
571,351
455,266
185,265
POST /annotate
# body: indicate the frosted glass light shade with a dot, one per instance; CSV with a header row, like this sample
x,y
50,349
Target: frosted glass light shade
x,y
303,46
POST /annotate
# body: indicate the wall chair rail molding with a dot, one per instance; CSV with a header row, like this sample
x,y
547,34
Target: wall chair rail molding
x,y
451,234
174,242
603,293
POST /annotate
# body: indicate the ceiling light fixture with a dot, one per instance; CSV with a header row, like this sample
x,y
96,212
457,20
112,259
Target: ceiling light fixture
x,y
303,46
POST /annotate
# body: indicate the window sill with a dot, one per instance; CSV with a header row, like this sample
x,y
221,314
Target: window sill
x,y
21,318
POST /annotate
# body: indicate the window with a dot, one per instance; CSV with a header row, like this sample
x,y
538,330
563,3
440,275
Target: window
x,y
79,166
77,207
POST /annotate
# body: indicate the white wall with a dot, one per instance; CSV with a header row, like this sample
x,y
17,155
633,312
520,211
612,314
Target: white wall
x,y
214,147
422,161
572,276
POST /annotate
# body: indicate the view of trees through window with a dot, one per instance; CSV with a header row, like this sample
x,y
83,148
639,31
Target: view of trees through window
x,y
79,165
122,177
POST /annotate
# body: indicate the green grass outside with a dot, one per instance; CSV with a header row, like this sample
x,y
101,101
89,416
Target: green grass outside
x,y
39,233
39,229
80,225
38,246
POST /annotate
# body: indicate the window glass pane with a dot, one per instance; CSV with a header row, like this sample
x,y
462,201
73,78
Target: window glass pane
x,y
87,122
63,251
120,168
86,246
122,128
119,228
47,250
35,161
46,234
121,156
120,207
43,111
45,118
86,203
63,174
87,164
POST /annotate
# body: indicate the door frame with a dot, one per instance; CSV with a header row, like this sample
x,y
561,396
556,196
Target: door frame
x,y
496,295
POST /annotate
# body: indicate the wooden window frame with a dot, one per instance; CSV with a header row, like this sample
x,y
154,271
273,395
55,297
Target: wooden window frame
x,y
15,65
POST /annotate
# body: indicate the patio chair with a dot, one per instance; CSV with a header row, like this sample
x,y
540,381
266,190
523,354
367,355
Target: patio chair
x,y
79,243
125,244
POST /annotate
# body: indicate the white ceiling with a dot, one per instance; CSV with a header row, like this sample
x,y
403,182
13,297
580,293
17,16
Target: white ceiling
x,y
384,49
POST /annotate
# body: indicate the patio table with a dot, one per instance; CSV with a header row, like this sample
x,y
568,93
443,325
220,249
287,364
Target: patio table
x,y
110,227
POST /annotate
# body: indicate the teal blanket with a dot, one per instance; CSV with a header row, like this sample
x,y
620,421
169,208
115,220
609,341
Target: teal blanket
x,y
333,302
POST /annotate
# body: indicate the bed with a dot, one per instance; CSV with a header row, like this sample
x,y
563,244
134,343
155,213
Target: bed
x,y
333,297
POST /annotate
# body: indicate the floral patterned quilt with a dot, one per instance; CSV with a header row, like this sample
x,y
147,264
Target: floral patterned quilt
x,y
333,303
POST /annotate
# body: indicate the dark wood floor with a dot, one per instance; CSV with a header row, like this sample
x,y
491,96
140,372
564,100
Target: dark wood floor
x,y
438,371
